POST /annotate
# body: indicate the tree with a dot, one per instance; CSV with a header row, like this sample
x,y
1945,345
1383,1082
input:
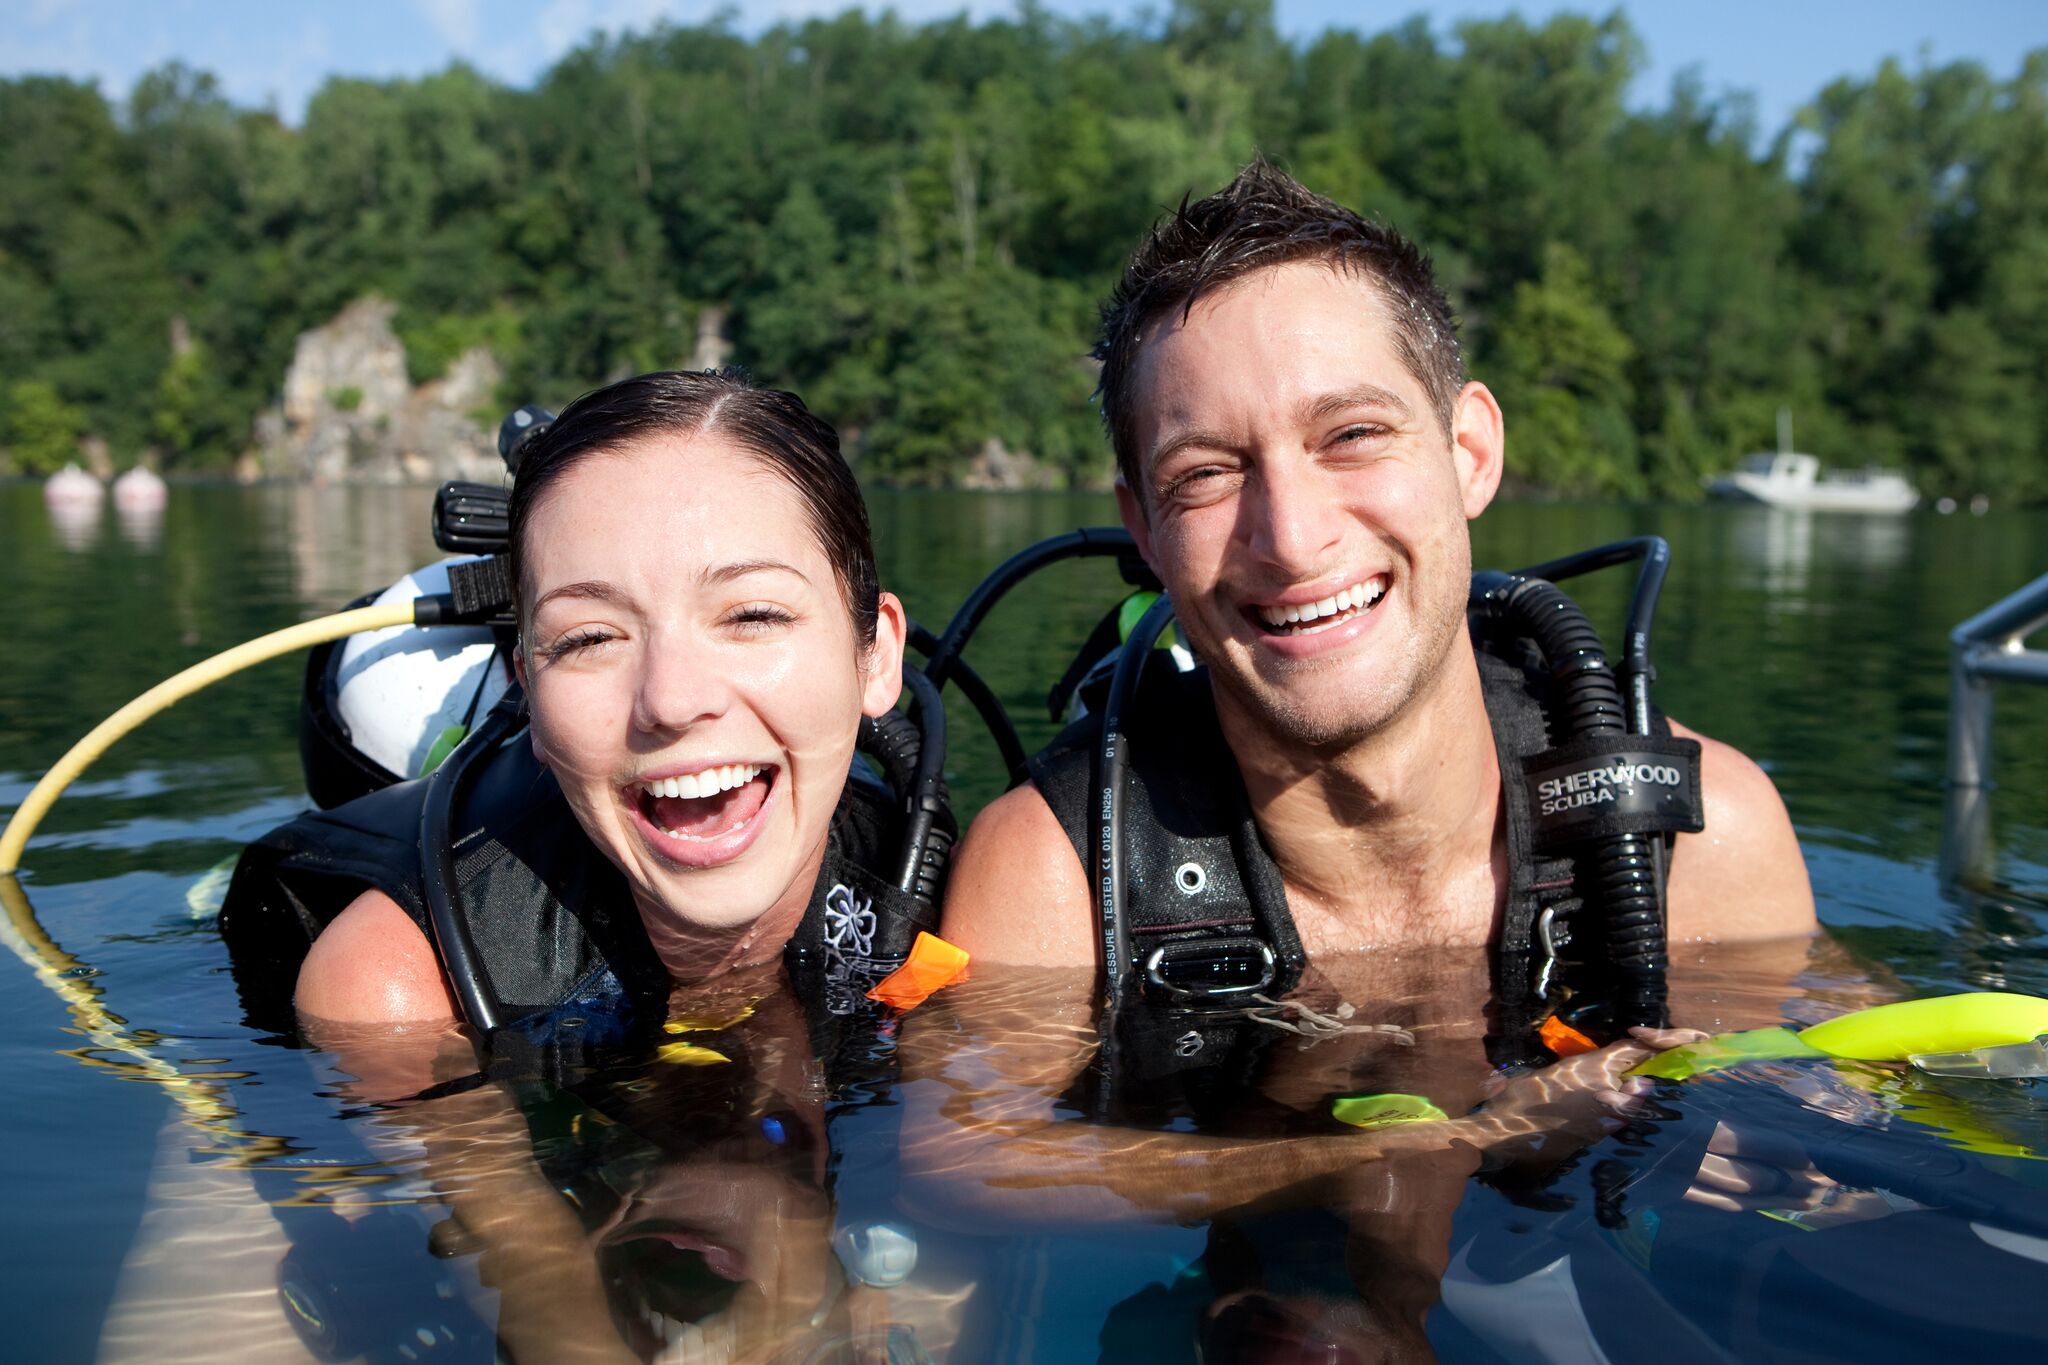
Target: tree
x,y
1562,380
41,429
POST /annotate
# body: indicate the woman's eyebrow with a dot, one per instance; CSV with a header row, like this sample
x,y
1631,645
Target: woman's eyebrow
x,y
591,589
726,573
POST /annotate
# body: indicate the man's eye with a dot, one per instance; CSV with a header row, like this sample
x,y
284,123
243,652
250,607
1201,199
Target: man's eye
x,y
1360,432
1193,481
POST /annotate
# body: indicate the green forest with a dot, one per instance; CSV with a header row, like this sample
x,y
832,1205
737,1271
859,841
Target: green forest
x,y
912,224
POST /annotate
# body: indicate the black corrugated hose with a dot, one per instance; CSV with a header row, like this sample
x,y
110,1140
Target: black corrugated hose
x,y
1618,877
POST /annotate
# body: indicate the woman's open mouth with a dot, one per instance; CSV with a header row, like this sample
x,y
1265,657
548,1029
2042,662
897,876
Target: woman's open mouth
x,y
705,817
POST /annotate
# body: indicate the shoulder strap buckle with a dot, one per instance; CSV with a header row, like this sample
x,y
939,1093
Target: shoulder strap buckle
x,y
1205,968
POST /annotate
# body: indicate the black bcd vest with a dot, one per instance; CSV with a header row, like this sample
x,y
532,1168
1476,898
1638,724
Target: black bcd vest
x,y
1196,869
558,938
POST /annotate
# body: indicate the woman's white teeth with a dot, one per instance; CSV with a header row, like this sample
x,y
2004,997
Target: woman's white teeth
x,y
1353,598
709,782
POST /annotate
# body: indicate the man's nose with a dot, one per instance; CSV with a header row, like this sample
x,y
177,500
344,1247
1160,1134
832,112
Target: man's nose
x,y
1292,521
680,685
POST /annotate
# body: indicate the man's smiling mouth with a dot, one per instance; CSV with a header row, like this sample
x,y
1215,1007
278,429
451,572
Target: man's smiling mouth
x,y
1308,618
708,804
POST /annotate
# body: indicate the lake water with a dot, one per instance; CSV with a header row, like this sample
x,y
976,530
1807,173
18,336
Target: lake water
x,y
151,1153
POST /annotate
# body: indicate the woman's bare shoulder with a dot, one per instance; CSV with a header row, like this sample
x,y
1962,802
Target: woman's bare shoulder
x,y
373,965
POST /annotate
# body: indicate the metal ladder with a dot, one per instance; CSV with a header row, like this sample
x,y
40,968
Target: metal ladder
x,y
1985,649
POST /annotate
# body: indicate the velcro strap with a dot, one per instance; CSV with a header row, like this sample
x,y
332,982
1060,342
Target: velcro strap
x,y
1613,784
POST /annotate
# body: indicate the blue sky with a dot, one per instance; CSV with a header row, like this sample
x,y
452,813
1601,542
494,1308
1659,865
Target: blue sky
x,y
1782,51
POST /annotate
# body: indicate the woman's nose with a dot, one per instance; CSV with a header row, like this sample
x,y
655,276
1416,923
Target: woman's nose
x,y
679,686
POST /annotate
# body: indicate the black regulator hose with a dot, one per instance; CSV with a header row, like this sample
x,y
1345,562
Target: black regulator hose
x,y
927,837
912,753
1110,761
1621,877
442,886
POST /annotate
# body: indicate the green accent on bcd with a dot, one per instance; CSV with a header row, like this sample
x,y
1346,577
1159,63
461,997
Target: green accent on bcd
x,y
444,745
1135,606
1384,1111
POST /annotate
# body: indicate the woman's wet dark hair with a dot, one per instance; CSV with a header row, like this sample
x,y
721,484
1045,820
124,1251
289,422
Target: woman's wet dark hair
x,y
773,426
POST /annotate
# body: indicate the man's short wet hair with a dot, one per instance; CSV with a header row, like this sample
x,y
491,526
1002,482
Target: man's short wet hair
x,y
1267,218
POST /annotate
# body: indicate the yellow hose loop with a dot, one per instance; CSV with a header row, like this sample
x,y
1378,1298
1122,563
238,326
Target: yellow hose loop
x,y
169,693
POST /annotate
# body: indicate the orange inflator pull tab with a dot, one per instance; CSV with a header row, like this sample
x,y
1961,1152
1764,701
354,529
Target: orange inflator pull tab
x,y
932,963
1563,1040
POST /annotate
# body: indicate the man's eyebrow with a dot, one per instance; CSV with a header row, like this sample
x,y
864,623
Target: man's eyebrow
x,y
726,573
1364,396
1182,441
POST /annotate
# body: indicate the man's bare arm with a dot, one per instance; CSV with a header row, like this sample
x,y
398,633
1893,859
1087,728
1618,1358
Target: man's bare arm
x,y
987,1130
1018,895
1743,877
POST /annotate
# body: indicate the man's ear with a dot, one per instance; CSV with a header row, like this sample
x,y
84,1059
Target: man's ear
x,y
1131,507
882,670
1478,446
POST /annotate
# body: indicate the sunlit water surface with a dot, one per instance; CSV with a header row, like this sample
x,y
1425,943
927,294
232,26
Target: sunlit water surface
x,y
1846,1212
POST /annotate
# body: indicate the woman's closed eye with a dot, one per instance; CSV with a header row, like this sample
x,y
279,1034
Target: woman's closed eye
x,y
577,641
755,620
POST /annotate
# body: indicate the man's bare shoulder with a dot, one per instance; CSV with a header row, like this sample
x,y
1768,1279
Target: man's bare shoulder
x,y
372,965
1743,876
1018,893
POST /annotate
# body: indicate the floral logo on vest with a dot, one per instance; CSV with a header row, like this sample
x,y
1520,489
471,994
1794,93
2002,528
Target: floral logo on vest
x,y
849,923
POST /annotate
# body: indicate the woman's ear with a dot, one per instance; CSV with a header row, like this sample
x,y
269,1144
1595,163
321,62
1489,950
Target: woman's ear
x,y
519,674
882,668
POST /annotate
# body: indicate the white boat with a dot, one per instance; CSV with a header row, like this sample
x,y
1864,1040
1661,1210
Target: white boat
x,y
1790,479
1787,478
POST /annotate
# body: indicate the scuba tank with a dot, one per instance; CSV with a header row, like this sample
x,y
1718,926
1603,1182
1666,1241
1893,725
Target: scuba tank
x,y
386,705
383,706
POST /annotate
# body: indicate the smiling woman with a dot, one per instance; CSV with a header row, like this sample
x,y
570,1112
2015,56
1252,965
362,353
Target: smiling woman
x,y
701,639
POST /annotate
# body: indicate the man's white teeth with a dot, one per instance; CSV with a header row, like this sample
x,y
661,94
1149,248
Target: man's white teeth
x,y
1357,596
709,782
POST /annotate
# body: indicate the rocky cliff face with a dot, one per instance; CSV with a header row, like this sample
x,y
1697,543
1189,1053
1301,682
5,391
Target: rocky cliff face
x,y
350,415
997,468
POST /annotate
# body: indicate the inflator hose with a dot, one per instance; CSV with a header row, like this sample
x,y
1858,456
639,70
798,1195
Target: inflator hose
x,y
927,844
912,755
174,690
1622,875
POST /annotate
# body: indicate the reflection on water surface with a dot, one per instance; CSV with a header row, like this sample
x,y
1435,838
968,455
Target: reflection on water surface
x,y
1787,1210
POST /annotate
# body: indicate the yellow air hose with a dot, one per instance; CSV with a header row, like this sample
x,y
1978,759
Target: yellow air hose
x,y
173,690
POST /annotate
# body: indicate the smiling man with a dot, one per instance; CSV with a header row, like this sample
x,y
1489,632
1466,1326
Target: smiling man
x,y
1299,452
